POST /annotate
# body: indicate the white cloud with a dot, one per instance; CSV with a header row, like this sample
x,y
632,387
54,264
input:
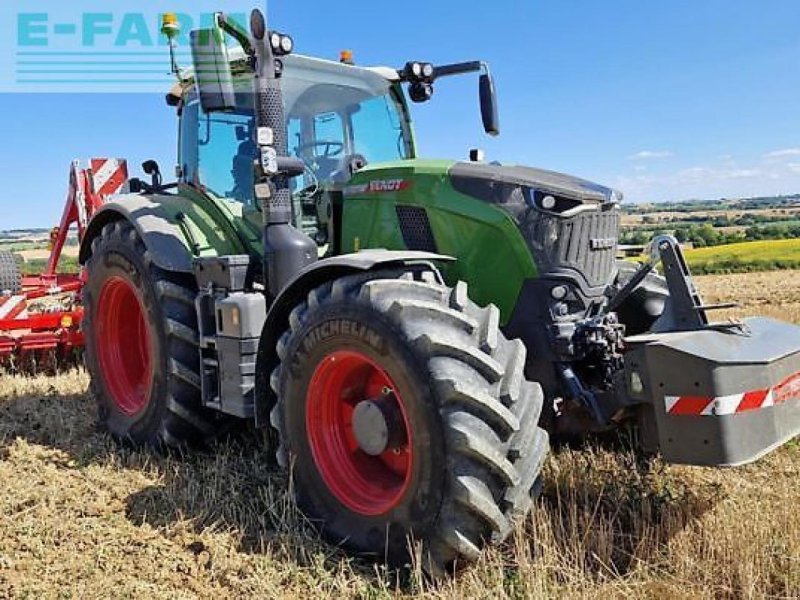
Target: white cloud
x,y
785,153
740,173
721,181
707,174
723,176
691,175
650,154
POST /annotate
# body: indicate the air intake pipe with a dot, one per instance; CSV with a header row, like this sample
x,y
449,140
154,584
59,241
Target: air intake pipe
x,y
287,250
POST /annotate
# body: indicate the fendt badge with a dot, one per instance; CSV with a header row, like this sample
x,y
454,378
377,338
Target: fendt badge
x,y
602,243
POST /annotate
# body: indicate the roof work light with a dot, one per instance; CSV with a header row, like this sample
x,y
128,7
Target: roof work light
x,y
169,25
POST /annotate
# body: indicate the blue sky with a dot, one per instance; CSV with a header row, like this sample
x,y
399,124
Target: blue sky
x,y
663,100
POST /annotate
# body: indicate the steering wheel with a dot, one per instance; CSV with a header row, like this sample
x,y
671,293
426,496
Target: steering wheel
x,y
331,148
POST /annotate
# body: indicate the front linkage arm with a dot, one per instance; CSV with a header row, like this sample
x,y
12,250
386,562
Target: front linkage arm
x,y
684,310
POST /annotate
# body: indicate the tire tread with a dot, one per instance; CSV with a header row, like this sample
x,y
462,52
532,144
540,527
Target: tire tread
x,y
184,421
489,411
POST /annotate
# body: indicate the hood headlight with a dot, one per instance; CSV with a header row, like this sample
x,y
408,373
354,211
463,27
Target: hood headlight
x,y
551,203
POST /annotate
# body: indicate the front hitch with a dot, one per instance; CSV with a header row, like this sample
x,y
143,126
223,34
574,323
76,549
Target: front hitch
x,y
684,309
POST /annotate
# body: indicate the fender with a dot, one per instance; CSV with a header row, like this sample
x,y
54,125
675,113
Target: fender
x,y
162,236
174,228
296,291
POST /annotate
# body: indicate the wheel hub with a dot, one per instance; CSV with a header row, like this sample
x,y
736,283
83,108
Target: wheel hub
x,y
378,425
358,430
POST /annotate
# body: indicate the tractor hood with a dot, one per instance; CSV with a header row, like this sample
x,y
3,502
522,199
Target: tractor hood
x,y
570,225
495,183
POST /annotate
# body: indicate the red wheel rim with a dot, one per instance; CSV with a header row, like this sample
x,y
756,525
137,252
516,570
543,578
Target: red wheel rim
x,y
123,346
368,485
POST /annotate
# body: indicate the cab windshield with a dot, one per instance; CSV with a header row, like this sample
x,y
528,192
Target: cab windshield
x,y
338,117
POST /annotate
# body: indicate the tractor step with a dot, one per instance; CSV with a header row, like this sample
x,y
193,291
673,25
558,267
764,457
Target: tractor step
x,y
230,323
723,395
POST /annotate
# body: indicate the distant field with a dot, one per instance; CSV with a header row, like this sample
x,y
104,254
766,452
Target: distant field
x,y
673,218
34,256
42,253
746,257
21,246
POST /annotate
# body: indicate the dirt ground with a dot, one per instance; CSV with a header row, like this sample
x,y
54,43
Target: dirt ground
x,y
772,294
83,517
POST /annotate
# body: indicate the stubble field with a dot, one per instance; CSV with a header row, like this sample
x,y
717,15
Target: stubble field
x,y
82,517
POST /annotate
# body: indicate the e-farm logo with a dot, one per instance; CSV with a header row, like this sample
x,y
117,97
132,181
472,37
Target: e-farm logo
x,y
65,49
94,30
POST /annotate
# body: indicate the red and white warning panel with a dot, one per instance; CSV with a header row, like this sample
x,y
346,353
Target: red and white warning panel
x,y
11,307
720,396
788,389
109,176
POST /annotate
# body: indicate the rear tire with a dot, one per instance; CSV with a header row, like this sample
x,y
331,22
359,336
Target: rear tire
x,y
142,345
10,275
470,449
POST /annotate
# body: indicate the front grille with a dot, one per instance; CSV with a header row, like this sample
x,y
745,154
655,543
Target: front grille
x,y
585,242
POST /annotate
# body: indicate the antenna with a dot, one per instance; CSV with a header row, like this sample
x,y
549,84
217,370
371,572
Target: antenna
x,y
171,29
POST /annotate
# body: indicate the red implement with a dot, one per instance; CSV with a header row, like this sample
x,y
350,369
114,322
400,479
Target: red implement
x,y
40,327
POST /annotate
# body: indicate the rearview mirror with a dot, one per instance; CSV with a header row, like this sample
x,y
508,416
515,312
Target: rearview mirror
x,y
489,113
150,167
212,70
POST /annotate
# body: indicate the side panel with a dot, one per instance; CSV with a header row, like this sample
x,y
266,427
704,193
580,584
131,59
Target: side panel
x,y
491,254
235,221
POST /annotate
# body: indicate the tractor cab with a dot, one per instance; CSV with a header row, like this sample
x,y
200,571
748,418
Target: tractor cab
x,y
340,118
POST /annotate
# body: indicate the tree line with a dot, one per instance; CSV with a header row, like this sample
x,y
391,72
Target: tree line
x,y
707,235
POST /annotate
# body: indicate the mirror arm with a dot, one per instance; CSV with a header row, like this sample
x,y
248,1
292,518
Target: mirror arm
x,y
236,31
458,68
461,68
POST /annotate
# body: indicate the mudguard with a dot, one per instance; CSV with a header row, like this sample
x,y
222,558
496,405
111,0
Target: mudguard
x,y
297,290
175,228
159,233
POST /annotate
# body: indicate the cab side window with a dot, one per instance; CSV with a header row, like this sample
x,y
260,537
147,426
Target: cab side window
x,y
217,151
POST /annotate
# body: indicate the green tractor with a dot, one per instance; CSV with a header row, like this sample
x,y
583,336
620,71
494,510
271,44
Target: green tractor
x,y
411,330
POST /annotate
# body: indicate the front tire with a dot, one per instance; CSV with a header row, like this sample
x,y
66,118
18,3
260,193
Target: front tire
x,y
142,345
457,448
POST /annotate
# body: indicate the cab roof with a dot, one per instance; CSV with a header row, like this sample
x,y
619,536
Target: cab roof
x,y
238,60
